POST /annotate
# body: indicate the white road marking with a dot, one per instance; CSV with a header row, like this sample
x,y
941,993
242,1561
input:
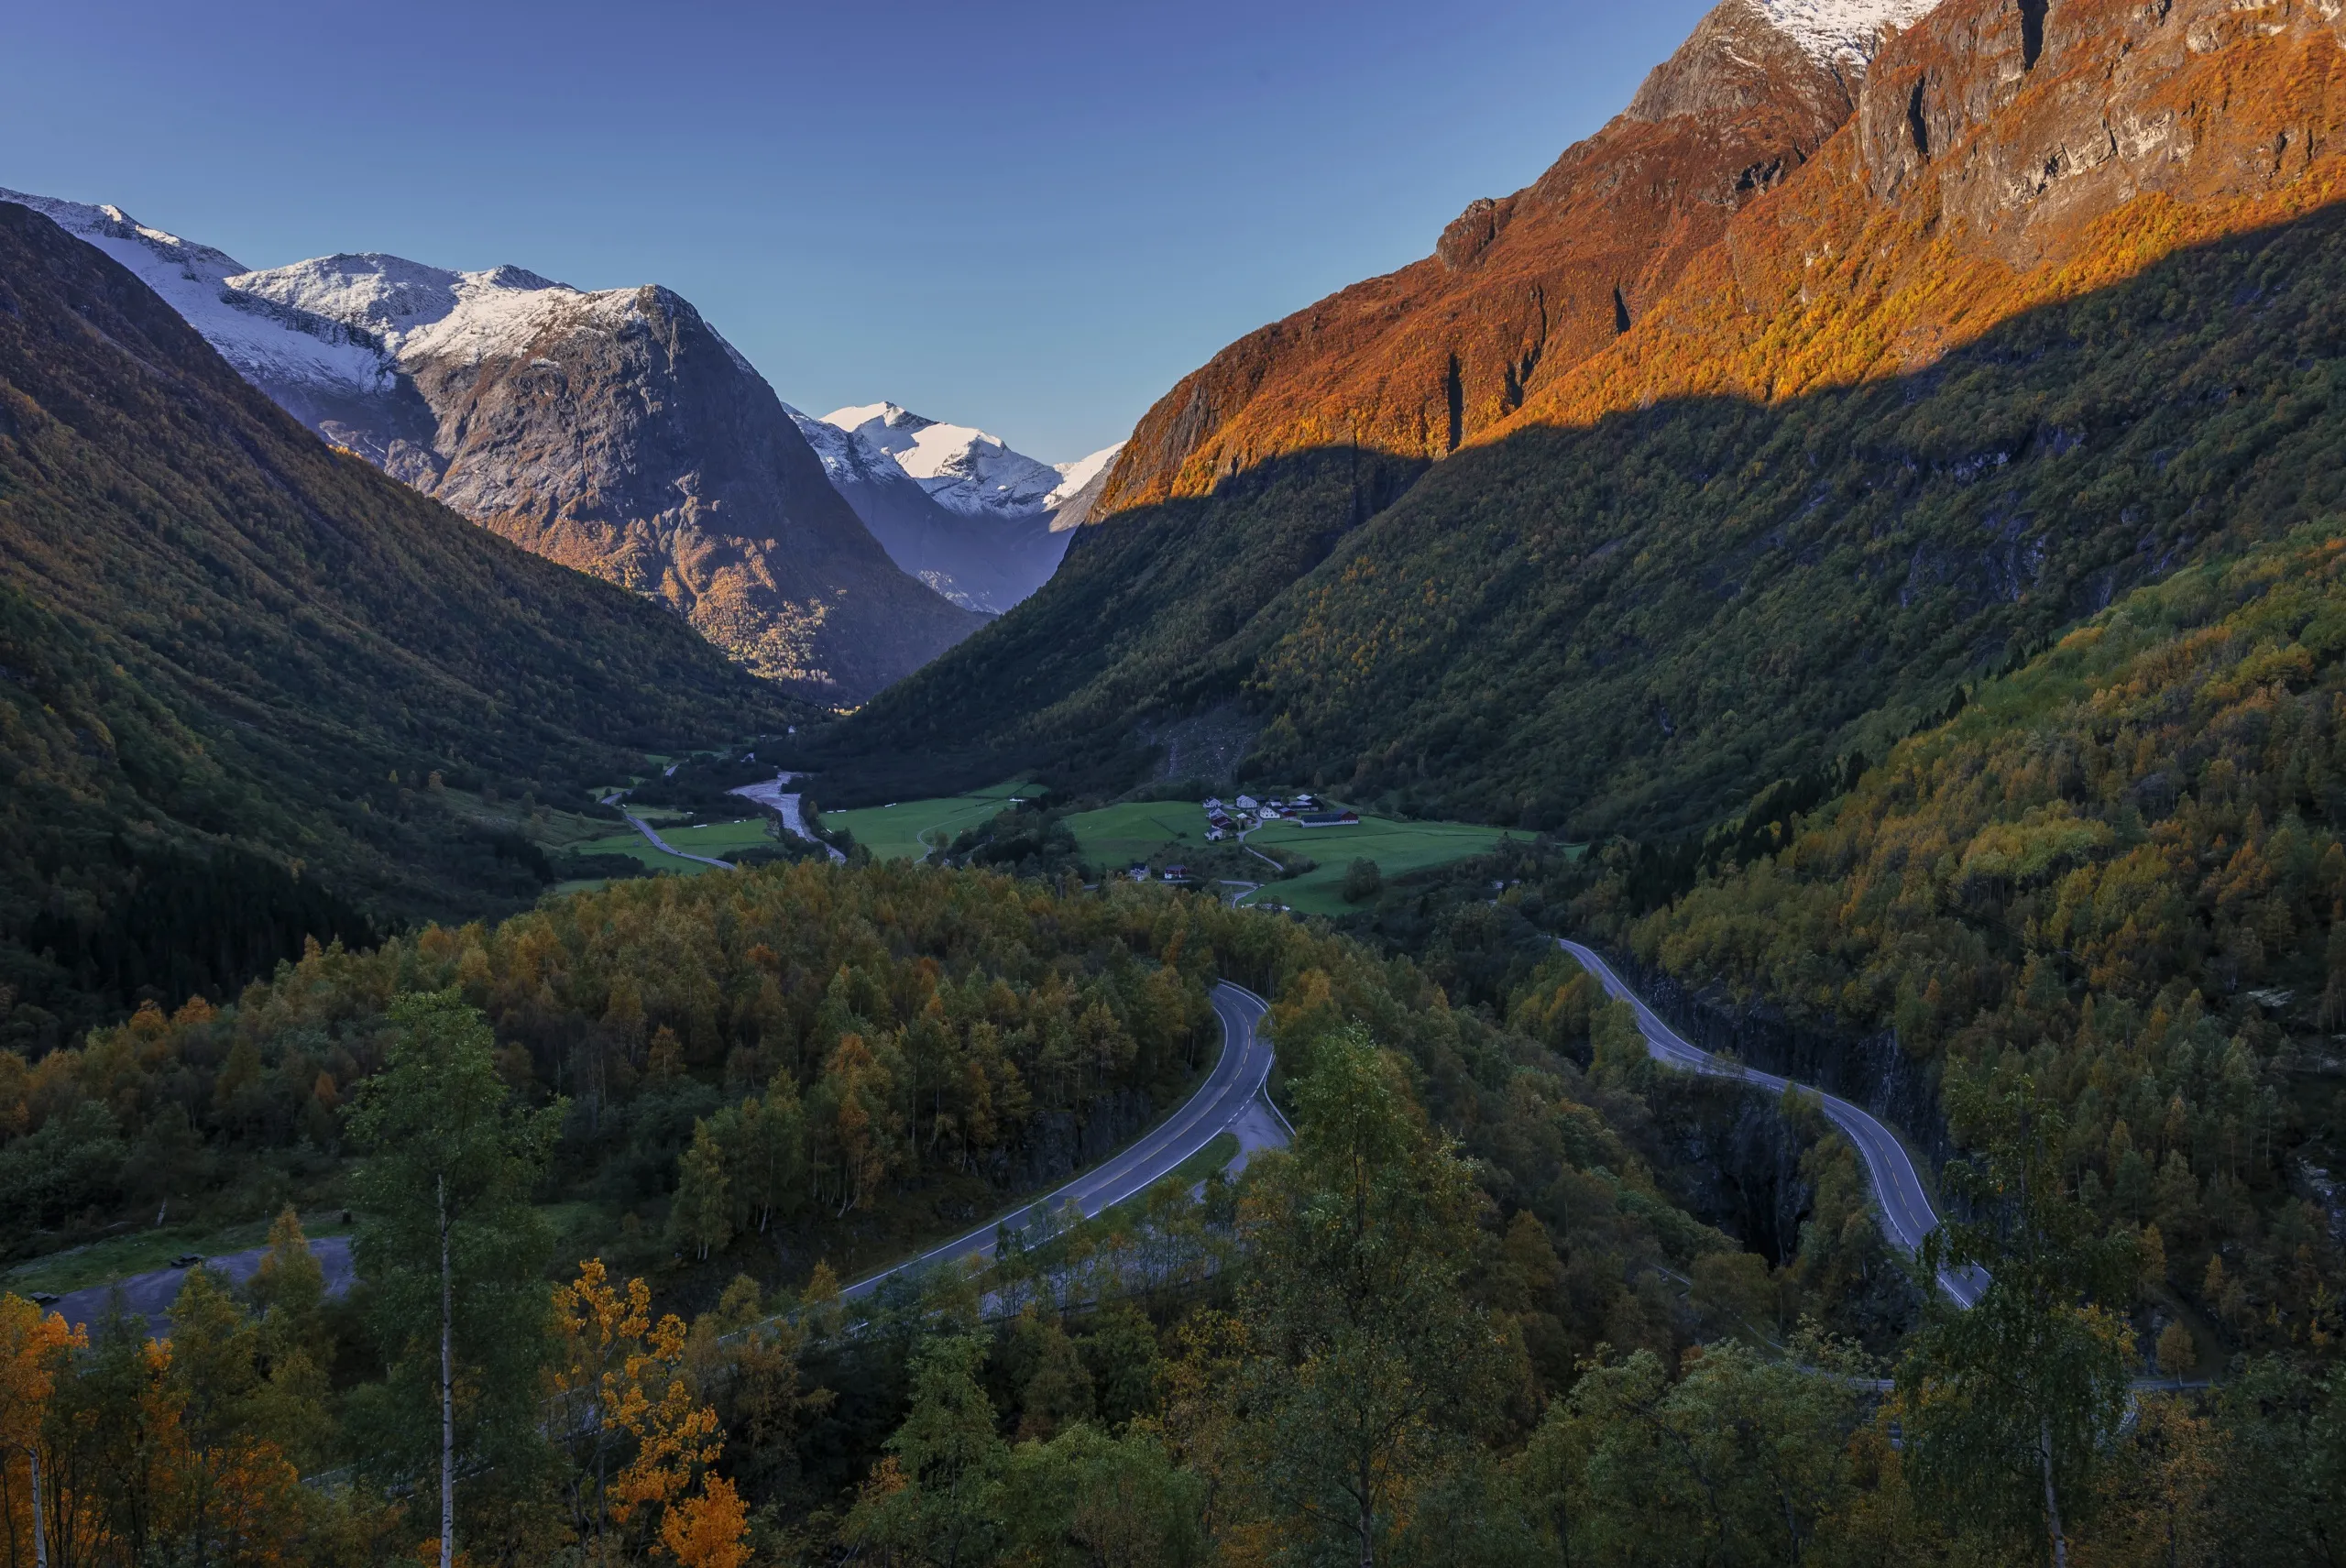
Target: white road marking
x,y
1899,1194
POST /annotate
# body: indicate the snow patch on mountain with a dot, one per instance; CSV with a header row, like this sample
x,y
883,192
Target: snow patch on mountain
x,y
964,468
1074,475
417,311
847,457
261,338
1841,32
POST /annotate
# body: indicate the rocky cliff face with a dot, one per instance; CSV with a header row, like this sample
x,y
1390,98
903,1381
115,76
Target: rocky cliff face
x,y
2037,118
2001,155
1521,288
618,432
2012,126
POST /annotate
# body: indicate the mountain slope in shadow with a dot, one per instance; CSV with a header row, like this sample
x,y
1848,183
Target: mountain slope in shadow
x,y
233,659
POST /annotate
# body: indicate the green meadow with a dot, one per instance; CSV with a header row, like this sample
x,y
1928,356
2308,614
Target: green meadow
x,y
1117,836
722,840
1399,847
909,830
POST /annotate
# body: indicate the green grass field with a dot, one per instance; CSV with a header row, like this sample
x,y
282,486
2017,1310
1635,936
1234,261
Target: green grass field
x,y
635,846
1397,848
1117,836
723,839
910,829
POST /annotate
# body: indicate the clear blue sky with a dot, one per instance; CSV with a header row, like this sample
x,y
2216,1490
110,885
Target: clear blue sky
x,y
1033,215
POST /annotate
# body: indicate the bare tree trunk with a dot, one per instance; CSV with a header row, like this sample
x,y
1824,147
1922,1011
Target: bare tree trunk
x,y
2052,1502
40,1527
447,1395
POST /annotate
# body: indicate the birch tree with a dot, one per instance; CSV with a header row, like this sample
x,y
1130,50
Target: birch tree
x,y
2012,1405
454,1251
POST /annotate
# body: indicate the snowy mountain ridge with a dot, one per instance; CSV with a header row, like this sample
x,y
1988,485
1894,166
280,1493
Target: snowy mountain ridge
x,y
345,322
963,470
984,548
262,339
1074,475
614,431
377,353
1841,32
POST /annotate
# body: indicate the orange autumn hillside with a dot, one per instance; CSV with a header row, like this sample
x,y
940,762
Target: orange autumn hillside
x,y
1975,183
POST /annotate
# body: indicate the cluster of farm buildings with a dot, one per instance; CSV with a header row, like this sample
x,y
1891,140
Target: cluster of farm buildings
x,y
1245,813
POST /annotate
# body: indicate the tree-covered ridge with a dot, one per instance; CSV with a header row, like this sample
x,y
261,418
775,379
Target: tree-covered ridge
x,y
763,1067
803,1061
2123,865
906,1026
234,658
1637,625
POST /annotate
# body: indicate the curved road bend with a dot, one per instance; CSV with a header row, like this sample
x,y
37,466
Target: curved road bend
x,y
662,844
1228,1092
1898,1191
659,843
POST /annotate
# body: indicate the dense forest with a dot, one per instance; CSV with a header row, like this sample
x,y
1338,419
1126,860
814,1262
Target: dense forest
x,y
233,663
1459,1321
771,1077
855,1037
2120,865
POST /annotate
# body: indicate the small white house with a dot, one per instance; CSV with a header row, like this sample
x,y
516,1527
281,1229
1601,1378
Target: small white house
x,y
1213,835
1248,803
1214,804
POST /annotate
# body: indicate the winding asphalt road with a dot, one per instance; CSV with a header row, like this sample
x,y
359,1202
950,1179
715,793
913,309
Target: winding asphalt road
x,y
1226,1100
1899,1195
150,1295
658,842
647,830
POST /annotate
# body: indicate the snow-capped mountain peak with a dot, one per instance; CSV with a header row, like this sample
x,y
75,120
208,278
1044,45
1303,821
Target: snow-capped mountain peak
x,y
1841,32
964,468
1074,475
415,311
388,295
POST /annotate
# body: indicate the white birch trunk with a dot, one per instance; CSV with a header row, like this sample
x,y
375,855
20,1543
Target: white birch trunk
x,y
2052,1502
40,1526
447,1396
